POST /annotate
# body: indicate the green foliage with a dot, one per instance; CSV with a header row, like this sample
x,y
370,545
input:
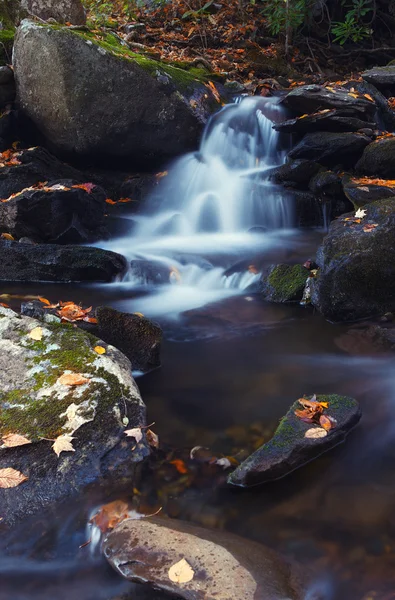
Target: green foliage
x,y
353,28
281,15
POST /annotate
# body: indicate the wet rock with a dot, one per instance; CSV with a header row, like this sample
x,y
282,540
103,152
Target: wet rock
x,y
383,78
332,120
37,164
385,114
149,272
312,98
326,184
331,149
7,86
356,278
296,172
378,159
284,283
309,209
136,336
146,111
225,567
361,193
50,262
60,213
63,11
36,405
289,449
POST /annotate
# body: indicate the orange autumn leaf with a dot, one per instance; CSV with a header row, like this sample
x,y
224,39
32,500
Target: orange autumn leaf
x,y
4,305
44,300
109,201
7,236
10,478
110,515
87,187
179,465
72,379
325,422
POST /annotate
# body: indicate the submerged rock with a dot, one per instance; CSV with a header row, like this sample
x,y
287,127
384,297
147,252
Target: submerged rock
x,y
136,336
290,449
378,159
220,565
331,149
312,98
134,108
37,402
63,11
356,276
50,262
284,283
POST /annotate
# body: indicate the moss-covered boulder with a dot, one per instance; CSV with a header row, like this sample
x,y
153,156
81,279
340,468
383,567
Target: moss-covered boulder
x,y
331,149
39,401
378,159
290,447
90,96
356,278
222,566
361,191
284,283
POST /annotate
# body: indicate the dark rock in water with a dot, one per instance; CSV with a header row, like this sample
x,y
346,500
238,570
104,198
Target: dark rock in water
x,y
312,98
66,11
50,262
326,184
361,193
149,271
220,565
36,404
284,283
356,278
136,336
37,165
378,159
298,172
290,449
331,149
60,213
332,120
146,111
383,78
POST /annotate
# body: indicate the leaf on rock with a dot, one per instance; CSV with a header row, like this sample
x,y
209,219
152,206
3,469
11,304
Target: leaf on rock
x,y
225,463
72,379
87,187
179,465
99,350
315,433
138,314
181,572
152,438
36,334
12,440
7,236
10,478
360,213
110,515
326,423
63,444
369,227
44,301
136,433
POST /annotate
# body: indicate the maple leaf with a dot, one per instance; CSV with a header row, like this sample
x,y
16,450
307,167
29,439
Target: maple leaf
x,y
11,440
315,433
36,334
181,572
63,444
136,433
72,379
10,478
360,213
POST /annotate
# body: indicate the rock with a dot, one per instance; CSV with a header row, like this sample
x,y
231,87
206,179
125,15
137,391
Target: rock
x,y
378,159
385,114
297,172
136,336
312,98
331,149
289,449
284,283
225,567
332,120
361,192
356,278
63,11
7,86
326,184
36,405
149,272
134,109
37,164
49,262
309,209
383,78
61,213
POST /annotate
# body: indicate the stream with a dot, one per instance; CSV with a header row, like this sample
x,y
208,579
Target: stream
x,y
231,366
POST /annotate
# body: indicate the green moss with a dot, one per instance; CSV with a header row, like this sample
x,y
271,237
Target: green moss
x,y
286,283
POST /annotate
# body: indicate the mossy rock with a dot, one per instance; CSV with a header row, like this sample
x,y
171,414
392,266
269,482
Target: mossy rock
x,y
378,159
289,449
35,403
364,193
284,283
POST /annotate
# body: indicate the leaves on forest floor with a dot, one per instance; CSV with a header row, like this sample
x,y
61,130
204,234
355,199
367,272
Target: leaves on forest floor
x,y
10,478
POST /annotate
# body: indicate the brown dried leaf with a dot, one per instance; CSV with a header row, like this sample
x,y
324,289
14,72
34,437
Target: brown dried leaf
x,y
10,478
152,438
110,515
72,379
11,440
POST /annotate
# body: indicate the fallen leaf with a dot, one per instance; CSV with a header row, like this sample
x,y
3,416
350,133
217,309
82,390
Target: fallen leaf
x,y
138,314
36,334
253,269
11,440
325,422
44,301
63,444
72,379
360,213
369,227
87,187
136,433
181,572
179,465
10,478
315,433
224,463
7,236
110,515
99,349
152,438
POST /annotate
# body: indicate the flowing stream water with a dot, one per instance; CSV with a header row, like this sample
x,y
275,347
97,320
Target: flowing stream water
x,y
232,364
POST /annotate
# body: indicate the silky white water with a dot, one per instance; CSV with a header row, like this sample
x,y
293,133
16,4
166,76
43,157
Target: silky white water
x,y
213,208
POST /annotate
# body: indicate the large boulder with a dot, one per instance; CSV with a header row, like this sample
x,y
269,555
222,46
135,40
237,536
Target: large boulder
x,y
312,98
294,172
383,78
60,212
63,11
378,159
356,278
326,184
97,99
51,262
331,149
361,190
292,447
283,283
324,120
55,386
215,565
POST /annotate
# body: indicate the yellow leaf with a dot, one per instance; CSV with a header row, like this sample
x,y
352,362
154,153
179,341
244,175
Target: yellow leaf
x,y
63,444
7,236
181,572
11,440
36,334
72,379
10,478
315,433
99,349
138,314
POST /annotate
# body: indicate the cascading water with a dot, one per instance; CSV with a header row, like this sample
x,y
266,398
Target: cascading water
x,y
214,208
